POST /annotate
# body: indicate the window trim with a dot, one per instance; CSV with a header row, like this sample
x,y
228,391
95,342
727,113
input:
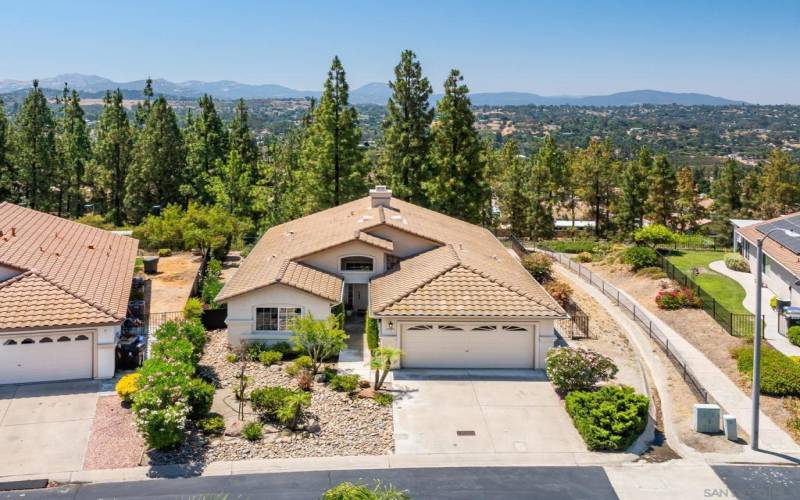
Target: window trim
x,y
278,308
343,270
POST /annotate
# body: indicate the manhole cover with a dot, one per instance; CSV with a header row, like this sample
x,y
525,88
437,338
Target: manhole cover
x,y
465,433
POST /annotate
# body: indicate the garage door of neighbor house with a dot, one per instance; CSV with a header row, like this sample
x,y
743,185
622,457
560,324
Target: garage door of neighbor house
x,y
467,345
45,357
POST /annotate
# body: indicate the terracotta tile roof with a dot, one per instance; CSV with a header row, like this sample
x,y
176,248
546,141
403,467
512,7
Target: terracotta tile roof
x,y
775,250
30,300
312,280
460,244
91,264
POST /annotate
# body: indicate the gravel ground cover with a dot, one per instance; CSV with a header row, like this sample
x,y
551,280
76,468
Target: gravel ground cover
x,y
114,441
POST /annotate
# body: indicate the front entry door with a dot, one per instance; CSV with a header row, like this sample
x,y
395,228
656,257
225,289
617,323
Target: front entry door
x,y
358,296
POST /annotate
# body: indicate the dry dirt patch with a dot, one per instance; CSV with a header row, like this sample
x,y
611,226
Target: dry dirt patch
x,y
170,288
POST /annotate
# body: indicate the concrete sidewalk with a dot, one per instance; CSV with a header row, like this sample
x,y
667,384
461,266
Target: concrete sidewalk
x,y
721,388
748,282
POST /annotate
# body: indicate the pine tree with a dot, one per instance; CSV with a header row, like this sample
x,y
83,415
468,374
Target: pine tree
x,y
232,185
663,190
687,203
512,193
35,149
112,155
458,184
594,180
9,186
751,195
276,197
780,185
633,184
74,153
143,108
406,129
331,152
541,188
727,189
159,161
553,159
206,145
240,137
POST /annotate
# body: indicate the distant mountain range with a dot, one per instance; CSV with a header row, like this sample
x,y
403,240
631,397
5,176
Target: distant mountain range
x,y
371,93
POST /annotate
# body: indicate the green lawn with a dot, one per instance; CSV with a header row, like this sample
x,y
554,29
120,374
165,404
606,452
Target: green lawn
x,y
725,290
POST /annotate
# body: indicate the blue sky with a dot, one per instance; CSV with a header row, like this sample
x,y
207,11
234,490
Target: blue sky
x,y
738,49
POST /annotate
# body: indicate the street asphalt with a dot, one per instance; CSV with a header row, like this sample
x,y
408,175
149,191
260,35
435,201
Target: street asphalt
x,y
507,483
773,483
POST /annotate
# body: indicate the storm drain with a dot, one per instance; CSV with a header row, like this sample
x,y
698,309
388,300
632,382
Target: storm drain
x,y
465,433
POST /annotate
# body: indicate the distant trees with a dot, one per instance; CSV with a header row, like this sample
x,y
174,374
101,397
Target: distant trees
x,y
633,190
206,146
780,185
74,153
112,153
406,130
8,185
35,149
512,192
594,178
663,191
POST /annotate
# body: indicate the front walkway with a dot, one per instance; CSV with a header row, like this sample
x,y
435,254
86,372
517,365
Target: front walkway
x,y
355,357
748,282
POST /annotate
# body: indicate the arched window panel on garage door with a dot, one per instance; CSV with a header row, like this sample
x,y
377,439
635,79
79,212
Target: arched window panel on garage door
x,y
514,328
45,340
451,328
81,337
28,341
420,328
64,338
10,342
485,328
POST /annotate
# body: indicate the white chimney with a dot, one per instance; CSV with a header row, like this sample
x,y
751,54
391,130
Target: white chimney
x,y
380,197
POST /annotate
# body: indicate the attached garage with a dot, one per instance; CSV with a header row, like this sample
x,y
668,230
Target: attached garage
x,y
40,357
468,345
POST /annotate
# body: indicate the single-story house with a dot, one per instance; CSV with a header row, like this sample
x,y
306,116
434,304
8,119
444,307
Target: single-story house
x,y
781,254
446,292
64,290
737,224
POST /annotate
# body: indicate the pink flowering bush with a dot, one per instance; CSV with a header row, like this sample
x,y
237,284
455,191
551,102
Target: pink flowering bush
x,y
678,299
578,369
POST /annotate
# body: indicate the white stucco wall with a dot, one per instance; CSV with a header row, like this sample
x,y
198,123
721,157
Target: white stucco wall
x,y
776,278
405,244
241,318
7,272
328,260
106,338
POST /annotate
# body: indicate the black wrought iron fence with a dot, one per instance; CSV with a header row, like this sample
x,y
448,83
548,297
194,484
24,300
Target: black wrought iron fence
x,y
149,323
577,326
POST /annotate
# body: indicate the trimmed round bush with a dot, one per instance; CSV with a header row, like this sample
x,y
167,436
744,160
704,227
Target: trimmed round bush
x,y
193,309
383,398
199,397
267,400
127,386
164,252
654,235
736,262
773,303
780,376
270,357
299,364
640,257
794,335
344,383
253,431
584,257
539,265
678,299
214,424
578,369
610,418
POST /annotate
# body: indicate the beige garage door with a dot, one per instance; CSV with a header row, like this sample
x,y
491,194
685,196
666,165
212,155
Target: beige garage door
x,y
443,345
45,357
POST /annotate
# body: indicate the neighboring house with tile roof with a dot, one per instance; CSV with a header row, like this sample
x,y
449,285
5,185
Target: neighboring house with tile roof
x,y
781,261
64,290
444,291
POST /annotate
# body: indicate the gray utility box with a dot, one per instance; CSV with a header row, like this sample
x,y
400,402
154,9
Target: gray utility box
x,y
729,424
706,418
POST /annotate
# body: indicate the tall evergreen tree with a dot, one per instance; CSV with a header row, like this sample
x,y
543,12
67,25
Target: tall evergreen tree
x,y
406,129
751,195
780,185
35,149
458,185
331,152
232,186
240,137
553,159
594,180
541,187
143,107
663,190
512,193
9,185
276,196
159,161
112,154
727,189
74,152
206,145
633,183
687,204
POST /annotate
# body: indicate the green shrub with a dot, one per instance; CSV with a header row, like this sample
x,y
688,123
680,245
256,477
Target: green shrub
x,y
780,376
193,331
677,299
199,397
640,257
164,252
371,331
267,400
338,312
214,424
269,357
384,398
253,431
193,309
584,257
773,303
213,269
301,363
578,369
253,351
794,335
283,347
127,386
174,349
344,383
655,273
320,339
539,265
161,425
97,221
654,235
736,262
231,357
610,418
210,290
570,246
351,491
291,411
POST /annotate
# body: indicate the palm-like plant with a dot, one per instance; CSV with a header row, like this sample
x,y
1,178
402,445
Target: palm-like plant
x,y
291,411
382,360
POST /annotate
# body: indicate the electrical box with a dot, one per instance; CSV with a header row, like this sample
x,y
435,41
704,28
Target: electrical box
x,y
729,424
706,418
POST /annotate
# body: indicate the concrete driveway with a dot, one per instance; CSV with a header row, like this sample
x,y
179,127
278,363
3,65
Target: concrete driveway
x,y
480,411
44,428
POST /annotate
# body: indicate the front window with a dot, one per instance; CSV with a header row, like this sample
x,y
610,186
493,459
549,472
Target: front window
x,y
356,263
275,318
